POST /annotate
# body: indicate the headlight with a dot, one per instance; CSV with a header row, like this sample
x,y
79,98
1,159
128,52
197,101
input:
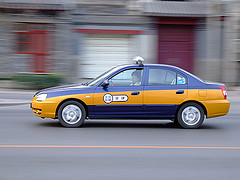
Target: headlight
x,y
41,97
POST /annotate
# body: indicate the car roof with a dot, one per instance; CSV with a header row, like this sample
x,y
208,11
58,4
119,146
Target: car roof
x,y
150,65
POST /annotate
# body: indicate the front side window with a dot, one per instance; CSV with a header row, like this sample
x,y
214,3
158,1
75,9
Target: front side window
x,y
161,77
130,77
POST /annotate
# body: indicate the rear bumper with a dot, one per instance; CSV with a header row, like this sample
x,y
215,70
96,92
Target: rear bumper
x,y
216,107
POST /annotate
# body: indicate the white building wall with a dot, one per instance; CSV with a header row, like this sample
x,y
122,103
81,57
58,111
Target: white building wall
x,y
231,65
149,48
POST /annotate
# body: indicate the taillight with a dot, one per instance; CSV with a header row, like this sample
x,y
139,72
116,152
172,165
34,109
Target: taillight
x,y
224,91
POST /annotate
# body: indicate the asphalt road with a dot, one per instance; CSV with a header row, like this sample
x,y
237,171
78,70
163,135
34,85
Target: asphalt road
x,y
32,148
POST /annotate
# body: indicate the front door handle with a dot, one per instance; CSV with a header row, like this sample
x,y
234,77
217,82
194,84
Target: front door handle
x,y
135,93
180,92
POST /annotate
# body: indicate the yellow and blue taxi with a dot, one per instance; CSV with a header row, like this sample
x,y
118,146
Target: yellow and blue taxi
x,y
137,91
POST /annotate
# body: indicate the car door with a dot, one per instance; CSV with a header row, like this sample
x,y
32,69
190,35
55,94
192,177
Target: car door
x,y
165,89
121,98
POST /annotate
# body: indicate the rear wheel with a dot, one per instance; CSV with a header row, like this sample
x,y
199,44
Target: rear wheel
x,y
71,114
190,116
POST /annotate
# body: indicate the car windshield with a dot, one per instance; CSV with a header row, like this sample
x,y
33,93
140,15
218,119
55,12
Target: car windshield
x,y
101,77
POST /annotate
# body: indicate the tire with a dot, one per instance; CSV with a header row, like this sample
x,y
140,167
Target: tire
x,y
190,116
71,114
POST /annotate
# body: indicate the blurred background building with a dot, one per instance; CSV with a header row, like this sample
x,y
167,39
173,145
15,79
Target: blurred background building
x,y
83,38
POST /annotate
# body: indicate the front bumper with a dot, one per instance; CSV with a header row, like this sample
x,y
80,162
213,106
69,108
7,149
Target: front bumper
x,y
45,109
36,111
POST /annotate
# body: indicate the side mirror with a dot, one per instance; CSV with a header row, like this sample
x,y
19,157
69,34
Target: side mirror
x,y
105,83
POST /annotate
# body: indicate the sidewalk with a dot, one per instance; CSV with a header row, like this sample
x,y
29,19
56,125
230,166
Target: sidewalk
x,y
234,94
14,97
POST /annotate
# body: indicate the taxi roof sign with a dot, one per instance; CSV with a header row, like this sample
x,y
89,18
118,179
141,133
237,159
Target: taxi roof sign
x,y
138,60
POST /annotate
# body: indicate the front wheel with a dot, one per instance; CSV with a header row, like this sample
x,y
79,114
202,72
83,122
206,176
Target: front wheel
x,y
190,116
71,114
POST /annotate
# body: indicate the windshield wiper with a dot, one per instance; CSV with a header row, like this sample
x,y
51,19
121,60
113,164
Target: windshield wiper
x,y
84,84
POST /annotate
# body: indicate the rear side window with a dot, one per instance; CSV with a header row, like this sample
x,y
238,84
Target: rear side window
x,y
181,79
161,77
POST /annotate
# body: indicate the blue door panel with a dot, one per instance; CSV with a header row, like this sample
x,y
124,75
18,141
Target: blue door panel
x,y
118,109
160,110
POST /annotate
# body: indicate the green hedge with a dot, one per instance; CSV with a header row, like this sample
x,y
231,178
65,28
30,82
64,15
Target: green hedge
x,y
5,77
38,81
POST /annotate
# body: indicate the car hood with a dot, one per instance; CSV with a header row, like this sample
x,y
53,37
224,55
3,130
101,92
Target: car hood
x,y
65,90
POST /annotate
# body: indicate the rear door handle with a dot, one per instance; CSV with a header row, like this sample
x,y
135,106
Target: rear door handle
x,y
180,92
135,93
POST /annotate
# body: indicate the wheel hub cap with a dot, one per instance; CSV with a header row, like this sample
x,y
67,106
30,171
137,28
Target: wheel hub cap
x,y
71,114
191,115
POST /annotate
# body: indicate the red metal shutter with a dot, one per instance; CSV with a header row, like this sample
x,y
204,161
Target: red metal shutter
x,y
176,45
